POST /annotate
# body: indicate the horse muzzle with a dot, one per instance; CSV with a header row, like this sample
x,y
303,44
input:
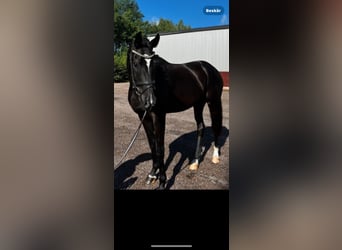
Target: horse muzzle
x,y
150,100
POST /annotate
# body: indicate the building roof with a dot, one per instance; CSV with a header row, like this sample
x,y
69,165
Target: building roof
x,y
192,30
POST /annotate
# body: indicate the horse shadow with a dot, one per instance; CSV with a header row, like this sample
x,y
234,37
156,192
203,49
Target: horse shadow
x,y
186,145
127,169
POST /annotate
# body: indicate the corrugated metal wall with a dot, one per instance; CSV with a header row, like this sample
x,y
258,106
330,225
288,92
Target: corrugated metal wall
x,y
208,45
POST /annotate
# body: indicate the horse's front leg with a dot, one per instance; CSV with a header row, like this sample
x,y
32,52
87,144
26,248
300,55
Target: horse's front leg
x,y
154,125
149,130
159,132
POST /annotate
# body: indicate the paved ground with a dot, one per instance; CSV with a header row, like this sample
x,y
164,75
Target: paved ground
x,y
180,140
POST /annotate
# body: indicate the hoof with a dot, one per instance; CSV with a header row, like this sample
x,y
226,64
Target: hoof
x,y
193,166
215,159
150,179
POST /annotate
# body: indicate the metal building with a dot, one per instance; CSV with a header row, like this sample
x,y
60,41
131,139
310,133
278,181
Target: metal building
x,y
208,44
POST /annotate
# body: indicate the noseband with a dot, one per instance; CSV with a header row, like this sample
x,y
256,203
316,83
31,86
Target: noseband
x,y
148,84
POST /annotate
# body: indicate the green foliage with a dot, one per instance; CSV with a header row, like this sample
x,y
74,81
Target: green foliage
x,y
128,20
165,25
120,69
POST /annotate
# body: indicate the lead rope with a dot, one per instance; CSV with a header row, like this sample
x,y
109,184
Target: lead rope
x,y
132,141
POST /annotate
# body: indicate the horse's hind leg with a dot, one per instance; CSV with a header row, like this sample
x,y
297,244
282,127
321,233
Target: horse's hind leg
x,y
198,110
215,108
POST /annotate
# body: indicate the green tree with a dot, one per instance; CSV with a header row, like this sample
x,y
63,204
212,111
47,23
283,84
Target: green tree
x,y
181,26
120,69
127,22
164,25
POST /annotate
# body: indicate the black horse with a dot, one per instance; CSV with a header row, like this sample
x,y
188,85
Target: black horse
x,y
158,87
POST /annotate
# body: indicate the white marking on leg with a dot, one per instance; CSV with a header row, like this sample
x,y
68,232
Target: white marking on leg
x,y
216,158
194,165
216,152
195,161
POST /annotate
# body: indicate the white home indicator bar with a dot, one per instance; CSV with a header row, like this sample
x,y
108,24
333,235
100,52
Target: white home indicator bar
x,y
171,246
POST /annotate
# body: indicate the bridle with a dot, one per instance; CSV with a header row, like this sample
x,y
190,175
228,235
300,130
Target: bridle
x,y
146,84
143,55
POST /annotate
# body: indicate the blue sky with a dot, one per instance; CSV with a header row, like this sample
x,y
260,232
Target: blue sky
x,y
191,11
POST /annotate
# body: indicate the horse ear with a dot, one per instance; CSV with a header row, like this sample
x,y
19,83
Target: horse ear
x,y
138,39
155,41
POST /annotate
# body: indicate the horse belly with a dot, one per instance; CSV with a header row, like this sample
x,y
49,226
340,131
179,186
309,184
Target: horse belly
x,y
178,103
177,108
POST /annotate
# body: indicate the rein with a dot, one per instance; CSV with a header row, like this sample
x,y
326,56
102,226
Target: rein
x,y
132,141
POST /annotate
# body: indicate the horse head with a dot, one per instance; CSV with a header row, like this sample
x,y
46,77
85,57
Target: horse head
x,y
140,55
